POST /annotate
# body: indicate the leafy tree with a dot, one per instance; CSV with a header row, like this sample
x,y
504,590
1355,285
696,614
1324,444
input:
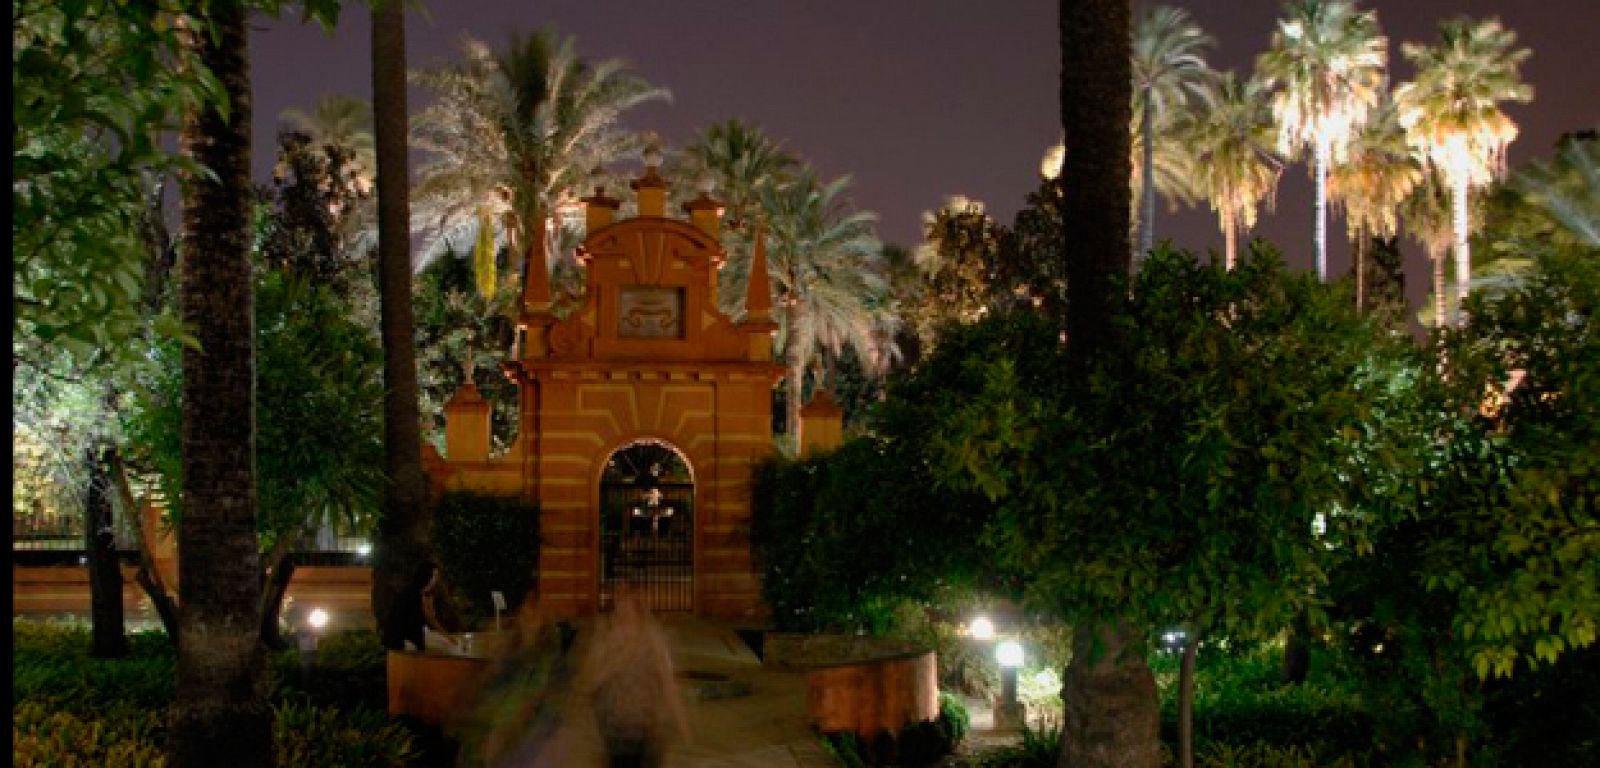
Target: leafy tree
x,y
1451,114
1168,68
1327,61
93,88
344,123
462,334
954,269
1235,165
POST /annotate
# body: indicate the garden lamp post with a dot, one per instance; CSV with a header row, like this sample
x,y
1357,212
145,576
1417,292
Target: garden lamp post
x,y
1008,712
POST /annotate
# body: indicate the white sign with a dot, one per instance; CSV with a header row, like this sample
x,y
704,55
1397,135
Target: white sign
x,y
499,600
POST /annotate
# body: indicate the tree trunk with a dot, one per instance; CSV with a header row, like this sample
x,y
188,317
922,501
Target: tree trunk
x,y
1230,243
279,573
219,713
1440,318
1186,703
1463,249
148,575
1297,651
1112,719
402,531
108,638
1359,252
794,372
1147,193
1323,154
1095,106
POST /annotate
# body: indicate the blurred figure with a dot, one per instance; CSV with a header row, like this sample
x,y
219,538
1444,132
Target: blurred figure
x,y
635,697
414,619
518,712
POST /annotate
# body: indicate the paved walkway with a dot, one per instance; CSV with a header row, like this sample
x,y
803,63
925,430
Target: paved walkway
x,y
764,728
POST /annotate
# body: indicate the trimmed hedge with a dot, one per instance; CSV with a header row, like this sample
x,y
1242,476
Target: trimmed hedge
x,y
486,543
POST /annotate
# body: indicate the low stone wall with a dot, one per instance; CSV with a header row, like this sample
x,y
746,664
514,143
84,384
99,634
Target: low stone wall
x,y
432,686
859,684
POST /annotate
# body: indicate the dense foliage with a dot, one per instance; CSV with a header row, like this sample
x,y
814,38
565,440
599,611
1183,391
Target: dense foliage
x,y
486,543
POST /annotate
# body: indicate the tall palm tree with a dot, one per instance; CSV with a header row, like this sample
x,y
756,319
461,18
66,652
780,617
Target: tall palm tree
x,y
740,159
824,263
402,531
1235,166
1111,715
514,130
1327,61
1427,218
1451,113
1168,67
1378,174
219,711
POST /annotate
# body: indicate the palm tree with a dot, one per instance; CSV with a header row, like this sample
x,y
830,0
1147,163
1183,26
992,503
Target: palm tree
x,y
1168,67
1426,214
512,132
1378,175
341,121
1235,166
740,160
1327,60
824,263
402,531
219,711
1451,114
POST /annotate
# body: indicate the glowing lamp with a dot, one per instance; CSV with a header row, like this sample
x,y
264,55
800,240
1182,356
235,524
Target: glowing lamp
x,y
1009,654
982,628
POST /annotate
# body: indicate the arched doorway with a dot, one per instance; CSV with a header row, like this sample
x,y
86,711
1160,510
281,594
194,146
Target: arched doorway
x,y
647,526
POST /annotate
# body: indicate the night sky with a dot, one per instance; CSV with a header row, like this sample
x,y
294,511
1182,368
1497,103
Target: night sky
x,y
916,99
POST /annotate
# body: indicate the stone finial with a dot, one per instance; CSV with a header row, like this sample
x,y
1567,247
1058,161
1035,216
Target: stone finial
x,y
758,293
822,424
466,424
599,210
650,187
705,212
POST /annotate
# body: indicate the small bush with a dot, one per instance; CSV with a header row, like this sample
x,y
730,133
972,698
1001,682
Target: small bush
x,y
486,543
310,736
1038,749
350,671
44,735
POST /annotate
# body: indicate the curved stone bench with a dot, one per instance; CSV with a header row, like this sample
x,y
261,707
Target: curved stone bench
x,y
432,686
861,685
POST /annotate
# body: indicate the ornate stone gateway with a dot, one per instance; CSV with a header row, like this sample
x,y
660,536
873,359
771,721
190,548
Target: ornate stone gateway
x,y
648,360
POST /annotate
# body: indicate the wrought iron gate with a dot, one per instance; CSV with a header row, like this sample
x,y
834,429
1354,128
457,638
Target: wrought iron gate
x,y
647,530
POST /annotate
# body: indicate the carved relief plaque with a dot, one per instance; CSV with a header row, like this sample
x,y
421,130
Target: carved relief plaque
x,y
650,313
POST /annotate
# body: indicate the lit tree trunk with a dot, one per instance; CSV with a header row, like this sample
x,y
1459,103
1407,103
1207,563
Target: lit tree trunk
x,y
1112,717
219,712
1359,252
1186,702
148,575
795,370
1462,248
1321,166
402,531
1436,255
107,638
1147,193
1230,242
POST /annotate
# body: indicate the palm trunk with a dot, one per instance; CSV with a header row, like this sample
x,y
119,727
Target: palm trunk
x,y
1186,703
1147,192
1321,164
1111,716
219,711
1440,319
1463,248
794,368
1359,252
402,532
107,636
1230,242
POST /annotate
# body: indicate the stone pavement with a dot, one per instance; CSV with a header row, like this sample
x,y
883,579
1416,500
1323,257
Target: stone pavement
x,y
740,714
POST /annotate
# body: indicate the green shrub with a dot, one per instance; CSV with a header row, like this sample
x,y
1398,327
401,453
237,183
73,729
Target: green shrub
x,y
914,746
350,670
1038,749
1264,755
312,737
43,734
486,543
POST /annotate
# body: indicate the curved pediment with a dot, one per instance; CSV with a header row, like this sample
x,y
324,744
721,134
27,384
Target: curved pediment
x,y
651,295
